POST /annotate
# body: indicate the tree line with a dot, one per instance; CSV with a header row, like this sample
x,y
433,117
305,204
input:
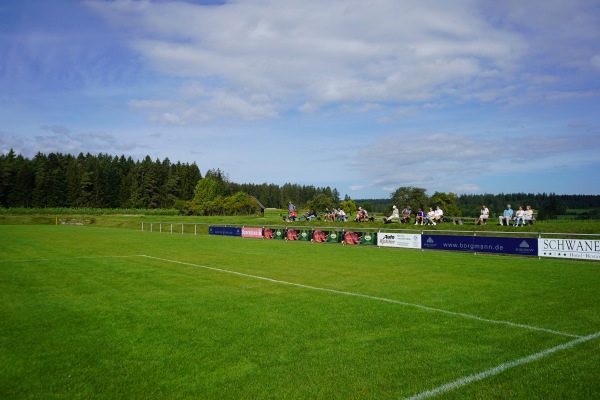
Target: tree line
x,y
105,181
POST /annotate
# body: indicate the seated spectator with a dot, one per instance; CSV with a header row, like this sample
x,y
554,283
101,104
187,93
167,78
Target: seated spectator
x,y
361,215
485,213
395,215
406,215
420,217
519,217
329,214
528,216
308,215
292,215
430,218
507,216
341,215
438,215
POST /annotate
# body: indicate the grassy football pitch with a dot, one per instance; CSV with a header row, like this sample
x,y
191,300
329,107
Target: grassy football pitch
x,y
118,314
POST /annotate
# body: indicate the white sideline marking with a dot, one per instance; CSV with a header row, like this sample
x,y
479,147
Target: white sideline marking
x,y
366,296
500,368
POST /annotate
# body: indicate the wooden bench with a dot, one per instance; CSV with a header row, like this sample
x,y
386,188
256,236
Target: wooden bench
x,y
463,220
460,220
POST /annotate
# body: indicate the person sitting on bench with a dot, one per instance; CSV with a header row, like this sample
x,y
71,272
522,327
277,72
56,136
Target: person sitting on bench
x,y
395,215
406,215
506,217
420,217
438,215
519,217
528,216
485,213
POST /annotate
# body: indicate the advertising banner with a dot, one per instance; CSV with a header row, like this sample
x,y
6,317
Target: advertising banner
x,y
255,233
481,244
304,235
349,238
333,237
272,233
291,234
224,230
569,248
404,240
368,238
268,233
319,236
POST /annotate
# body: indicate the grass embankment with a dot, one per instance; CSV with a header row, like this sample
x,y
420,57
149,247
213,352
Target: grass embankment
x,y
114,314
133,219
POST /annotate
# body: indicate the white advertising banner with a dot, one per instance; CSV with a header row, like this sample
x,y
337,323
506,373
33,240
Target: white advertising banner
x,y
569,248
256,233
404,240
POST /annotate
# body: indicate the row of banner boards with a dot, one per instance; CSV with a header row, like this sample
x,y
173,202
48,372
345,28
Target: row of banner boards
x,y
538,247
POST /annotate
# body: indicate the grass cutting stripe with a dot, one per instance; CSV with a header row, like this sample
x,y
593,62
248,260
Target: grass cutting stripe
x,y
366,296
500,368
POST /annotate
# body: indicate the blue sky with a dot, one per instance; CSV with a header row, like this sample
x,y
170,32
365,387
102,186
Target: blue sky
x,y
463,96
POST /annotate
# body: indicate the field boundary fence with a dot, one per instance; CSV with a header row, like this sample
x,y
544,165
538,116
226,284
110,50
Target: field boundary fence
x,y
538,244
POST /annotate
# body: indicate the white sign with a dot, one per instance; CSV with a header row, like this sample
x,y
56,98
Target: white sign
x,y
569,248
405,240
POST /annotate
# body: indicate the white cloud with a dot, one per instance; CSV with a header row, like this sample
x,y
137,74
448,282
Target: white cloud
x,y
198,104
456,163
61,139
11,142
304,55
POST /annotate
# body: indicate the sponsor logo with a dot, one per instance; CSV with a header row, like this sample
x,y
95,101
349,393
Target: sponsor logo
x,y
411,241
387,239
430,243
525,249
570,248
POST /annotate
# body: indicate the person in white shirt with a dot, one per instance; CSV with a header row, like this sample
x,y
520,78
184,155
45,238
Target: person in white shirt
x,y
395,215
485,213
528,216
430,216
438,214
520,214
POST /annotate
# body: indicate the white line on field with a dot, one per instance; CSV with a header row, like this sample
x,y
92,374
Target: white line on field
x,y
500,368
475,317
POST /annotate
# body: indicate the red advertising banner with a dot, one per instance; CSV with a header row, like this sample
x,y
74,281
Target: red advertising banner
x,y
291,234
319,236
350,238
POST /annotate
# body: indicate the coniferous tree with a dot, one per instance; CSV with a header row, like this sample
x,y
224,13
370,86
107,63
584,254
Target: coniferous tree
x,y
21,191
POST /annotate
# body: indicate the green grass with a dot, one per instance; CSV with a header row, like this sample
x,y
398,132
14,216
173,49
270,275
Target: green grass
x,y
84,315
